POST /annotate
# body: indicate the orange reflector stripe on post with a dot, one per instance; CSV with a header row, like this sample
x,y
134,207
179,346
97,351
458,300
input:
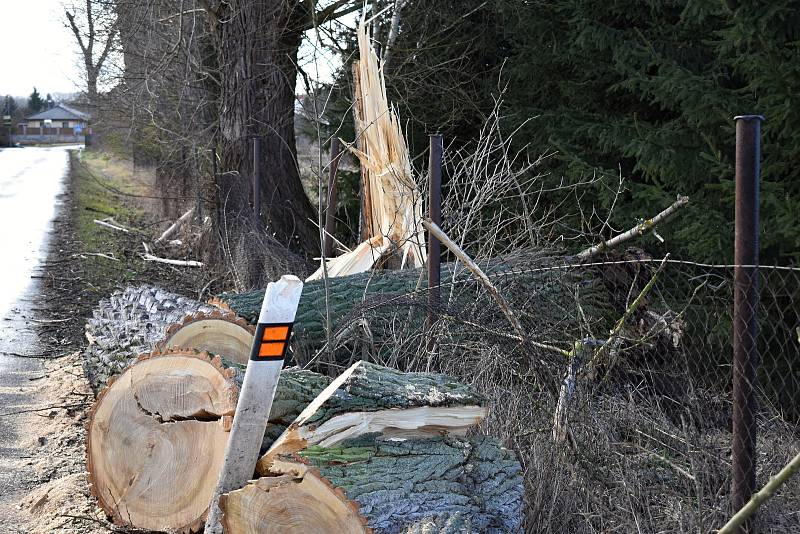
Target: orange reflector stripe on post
x,y
271,349
275,333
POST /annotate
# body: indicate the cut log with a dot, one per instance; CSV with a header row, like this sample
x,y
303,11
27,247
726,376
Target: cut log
x,y
129,323
289,504
135,320
444,484
148,432
216,332
169,413
371,399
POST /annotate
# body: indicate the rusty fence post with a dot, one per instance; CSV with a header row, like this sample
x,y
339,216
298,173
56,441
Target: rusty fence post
x,y
217,189
257,182
745,304
435,215
199,187
330,206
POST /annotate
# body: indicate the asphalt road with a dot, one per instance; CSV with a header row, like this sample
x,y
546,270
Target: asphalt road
x,y
30,181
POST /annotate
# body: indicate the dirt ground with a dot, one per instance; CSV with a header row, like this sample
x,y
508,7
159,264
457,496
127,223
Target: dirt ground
x,y
45,484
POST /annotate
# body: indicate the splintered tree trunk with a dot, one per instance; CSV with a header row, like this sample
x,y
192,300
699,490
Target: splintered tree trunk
x,y
258,44
157,434
372,399
443,485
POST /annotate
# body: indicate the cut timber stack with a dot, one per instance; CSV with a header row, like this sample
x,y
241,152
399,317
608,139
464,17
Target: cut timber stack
x,y
157,434
383,450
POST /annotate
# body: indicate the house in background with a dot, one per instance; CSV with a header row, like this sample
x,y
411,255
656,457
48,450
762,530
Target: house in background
x,y
60,124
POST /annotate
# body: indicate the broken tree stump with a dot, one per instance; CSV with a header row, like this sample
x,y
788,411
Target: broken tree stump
x,y
443,484
372,399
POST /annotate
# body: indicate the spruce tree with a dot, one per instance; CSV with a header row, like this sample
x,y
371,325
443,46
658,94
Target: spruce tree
x,y
642,90
648,90
35,102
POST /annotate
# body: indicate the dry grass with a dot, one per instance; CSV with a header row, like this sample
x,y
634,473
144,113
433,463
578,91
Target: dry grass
x,y
649,449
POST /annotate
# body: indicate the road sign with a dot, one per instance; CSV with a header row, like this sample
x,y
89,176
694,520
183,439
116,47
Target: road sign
x,y
270,344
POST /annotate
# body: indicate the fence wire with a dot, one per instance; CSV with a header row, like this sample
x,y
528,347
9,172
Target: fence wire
x,y
622,432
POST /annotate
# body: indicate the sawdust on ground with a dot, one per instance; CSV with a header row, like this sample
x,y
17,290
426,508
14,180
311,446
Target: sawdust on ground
x,y
57,455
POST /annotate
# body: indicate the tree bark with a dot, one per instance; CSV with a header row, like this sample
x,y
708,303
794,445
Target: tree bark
x,y
373,399
443,485
258,45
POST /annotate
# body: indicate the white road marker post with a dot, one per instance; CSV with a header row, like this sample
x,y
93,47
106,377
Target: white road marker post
x,y
258,390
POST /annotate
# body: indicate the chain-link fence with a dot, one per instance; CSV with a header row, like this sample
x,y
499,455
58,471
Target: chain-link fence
x,y
617,393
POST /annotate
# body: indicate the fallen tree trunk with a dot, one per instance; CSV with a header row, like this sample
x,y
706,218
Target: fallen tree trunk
x,y
157,434
372,399
444,484
534,284
139,319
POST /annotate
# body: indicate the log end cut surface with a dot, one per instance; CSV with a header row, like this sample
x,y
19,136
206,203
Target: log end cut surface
x,y
155,441
290,504
215,332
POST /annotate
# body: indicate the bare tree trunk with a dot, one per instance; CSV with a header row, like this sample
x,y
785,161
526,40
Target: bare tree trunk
x,y
258,45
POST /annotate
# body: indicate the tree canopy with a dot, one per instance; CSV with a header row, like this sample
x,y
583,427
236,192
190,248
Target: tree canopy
x,y
645,91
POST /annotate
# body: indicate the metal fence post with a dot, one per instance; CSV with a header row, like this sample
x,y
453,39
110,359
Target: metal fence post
x,y
745,317
257,182
199,188
330,207
435,215
217,190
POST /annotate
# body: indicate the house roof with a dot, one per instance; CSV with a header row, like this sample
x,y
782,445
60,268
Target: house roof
x,y
60,112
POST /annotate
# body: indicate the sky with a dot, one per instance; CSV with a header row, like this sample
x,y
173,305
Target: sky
x,y
36,49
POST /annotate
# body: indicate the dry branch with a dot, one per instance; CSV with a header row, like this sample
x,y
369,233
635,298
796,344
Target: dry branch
x,y
439,234
636,231
761,496
181,263
111,226
175,226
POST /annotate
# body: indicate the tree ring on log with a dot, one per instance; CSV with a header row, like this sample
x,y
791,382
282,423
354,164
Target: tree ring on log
x,y
217,332
156,440
296,503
